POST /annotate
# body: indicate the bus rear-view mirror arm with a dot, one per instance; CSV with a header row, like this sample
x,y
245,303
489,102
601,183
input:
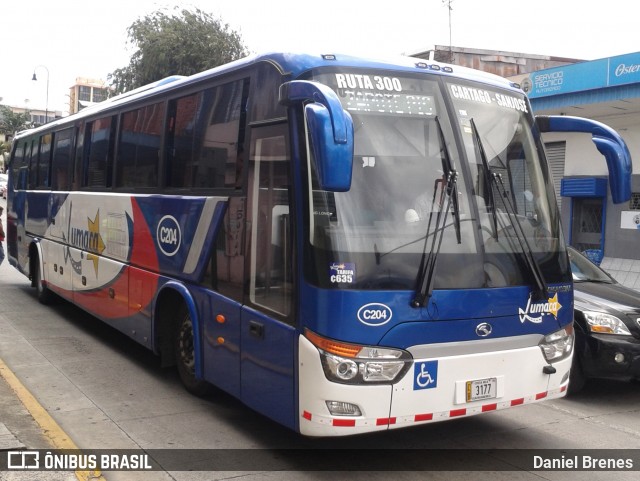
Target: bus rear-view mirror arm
x,y
330,129
608,142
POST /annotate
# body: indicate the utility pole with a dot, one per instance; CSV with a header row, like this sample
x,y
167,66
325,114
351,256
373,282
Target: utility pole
x,y
448,3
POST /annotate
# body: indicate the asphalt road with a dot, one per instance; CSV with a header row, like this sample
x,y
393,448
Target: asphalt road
x,y
104,391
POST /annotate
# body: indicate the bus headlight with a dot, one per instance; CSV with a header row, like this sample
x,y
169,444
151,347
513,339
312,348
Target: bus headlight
x,y
558,345
356,364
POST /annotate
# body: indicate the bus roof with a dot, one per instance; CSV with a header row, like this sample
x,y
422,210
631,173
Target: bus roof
x,y
294,65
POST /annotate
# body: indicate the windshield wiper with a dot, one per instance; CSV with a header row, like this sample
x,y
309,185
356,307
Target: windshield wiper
x,y
447,168
487,178
426,270
496,179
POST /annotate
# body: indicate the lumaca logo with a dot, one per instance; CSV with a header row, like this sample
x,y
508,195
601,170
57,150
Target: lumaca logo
x,y
550,307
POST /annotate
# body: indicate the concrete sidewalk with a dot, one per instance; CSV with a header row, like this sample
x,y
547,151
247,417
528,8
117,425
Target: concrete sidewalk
x,y
19,430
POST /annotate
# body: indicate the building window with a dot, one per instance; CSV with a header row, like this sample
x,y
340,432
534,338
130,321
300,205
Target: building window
x,y
587,223
41,119
100,94
84,93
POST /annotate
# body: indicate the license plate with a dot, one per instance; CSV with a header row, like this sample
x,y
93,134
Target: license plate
x,y
481,389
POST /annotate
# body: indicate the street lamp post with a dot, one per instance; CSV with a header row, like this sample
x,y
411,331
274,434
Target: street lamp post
x,y
34,78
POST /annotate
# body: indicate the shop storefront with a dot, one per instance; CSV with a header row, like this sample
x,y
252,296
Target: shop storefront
x,y
607,90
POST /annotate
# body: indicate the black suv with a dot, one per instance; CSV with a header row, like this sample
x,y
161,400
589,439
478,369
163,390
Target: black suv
x,y
607,325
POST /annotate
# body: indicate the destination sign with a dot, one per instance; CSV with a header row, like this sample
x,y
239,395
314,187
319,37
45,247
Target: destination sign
x,y
382,94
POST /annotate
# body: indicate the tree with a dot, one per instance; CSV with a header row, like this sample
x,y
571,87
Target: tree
x,y
181,43
10,122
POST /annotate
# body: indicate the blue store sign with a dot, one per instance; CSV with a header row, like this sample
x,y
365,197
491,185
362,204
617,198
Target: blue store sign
x,y
596,74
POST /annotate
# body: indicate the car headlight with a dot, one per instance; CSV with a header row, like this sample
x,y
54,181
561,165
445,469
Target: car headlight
x,y
558,345
348,363
602,323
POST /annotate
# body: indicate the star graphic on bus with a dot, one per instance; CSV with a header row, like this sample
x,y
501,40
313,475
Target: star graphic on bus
x,y
554,305
96,244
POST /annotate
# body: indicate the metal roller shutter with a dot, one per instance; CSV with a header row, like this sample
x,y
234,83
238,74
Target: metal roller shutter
x,y
556,155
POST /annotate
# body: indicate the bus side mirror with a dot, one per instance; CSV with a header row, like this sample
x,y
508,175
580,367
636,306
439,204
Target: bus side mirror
x,y
619,178
608,142
330,130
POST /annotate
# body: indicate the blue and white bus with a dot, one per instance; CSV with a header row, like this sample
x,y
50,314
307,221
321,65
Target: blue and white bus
x,y
346,245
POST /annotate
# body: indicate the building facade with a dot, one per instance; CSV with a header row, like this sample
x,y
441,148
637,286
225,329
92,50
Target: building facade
x,y
606,90
499,62
86,92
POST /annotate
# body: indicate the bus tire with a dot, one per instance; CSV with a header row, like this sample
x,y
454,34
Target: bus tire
x,y
577,378
185,355
45,296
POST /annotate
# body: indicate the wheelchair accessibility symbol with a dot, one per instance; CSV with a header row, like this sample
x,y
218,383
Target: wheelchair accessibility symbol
x,y
425,375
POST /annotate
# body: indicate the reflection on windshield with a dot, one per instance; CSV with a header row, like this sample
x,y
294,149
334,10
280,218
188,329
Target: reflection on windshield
x,y
378,229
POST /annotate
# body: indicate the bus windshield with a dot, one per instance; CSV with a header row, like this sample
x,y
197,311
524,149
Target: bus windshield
x,y
410,135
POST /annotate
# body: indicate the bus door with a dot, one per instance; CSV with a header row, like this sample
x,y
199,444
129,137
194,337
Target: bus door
x,y
267,335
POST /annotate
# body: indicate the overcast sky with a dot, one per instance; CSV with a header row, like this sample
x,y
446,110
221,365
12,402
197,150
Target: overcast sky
x,y
85,38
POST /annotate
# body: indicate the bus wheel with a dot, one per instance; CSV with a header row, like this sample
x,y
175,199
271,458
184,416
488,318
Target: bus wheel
x,y
185,355
577,378
45,296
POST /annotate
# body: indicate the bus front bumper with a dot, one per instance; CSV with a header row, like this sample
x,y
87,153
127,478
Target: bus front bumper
x,y
432,390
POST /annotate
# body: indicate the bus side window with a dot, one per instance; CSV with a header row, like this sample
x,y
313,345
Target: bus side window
x,y
99,152
270,247
269,106
31,162
224,136
44,161
61,162
182,132
205,133
16,166
78,154
139,145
